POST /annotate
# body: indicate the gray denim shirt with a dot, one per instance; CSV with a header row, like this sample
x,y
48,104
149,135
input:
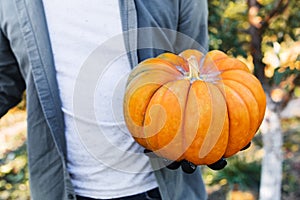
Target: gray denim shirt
x,y
26,61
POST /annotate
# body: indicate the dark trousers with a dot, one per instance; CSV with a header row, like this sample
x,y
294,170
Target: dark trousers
x,y
149,195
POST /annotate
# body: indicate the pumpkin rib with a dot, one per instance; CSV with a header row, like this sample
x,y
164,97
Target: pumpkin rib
x,y
135,85
146,138
159,74
234,102
260,119
216,55
144,118
231,64
154,141
224,135
161,61
143,140
252,107
221,60
198,151
179,134
255,87
175,60
184,148
147,65
186,125
224,130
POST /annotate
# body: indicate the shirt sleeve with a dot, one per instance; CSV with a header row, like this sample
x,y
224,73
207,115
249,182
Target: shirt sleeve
x,y
193,24
12,84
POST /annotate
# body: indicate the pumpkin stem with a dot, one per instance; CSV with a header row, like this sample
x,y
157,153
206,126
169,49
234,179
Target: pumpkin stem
x,y
194,71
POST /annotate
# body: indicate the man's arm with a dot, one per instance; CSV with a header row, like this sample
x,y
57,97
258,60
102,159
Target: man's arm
x,y
12,84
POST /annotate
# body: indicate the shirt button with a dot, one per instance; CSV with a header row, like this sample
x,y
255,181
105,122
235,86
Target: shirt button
x,y
70,196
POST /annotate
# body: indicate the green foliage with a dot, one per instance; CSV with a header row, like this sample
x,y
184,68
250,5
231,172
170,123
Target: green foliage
x,y
227,21
229,25
291,164
14,182
236,10
281,74
239,171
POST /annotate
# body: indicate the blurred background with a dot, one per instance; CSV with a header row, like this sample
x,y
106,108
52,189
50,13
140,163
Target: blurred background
x,y
265,34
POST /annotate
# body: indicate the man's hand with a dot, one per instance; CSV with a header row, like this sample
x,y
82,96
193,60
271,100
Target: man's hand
x,y
187,166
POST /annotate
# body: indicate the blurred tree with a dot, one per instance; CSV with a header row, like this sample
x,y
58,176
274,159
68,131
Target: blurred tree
x,y
264,33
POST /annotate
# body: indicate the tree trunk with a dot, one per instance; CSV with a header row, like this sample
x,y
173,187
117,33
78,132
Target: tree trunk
x,y
271,174
270,185
256,32
257,55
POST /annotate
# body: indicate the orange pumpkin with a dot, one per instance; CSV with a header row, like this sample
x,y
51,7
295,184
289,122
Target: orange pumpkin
x,y
194,107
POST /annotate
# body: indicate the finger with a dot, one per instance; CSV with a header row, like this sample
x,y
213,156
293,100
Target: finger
x,y
150,153
246,147
171,164
220,164
188,167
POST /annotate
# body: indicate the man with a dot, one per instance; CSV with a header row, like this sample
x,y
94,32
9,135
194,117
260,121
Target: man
x,y
48,47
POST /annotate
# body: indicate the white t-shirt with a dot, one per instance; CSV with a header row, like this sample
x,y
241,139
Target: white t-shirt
x,y
103,159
